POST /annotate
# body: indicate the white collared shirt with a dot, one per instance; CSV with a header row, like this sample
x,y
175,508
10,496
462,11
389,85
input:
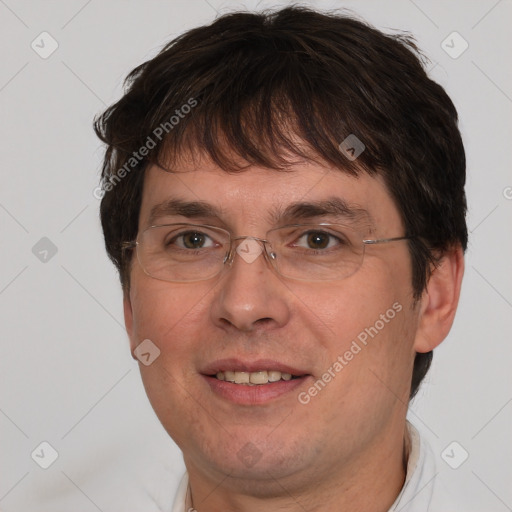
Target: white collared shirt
x,y
421,491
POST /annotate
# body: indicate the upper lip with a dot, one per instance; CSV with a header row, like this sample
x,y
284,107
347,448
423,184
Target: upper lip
x,y
239,365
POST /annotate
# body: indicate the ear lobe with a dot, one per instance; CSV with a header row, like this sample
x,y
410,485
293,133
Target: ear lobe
x,y
439,301
128,319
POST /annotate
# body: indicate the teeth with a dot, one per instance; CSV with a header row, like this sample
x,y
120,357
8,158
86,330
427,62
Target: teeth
x,y
258,377
242,377
274,376
229,376
252,378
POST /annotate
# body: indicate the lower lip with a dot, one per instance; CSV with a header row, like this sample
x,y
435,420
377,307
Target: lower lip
x,y
251,395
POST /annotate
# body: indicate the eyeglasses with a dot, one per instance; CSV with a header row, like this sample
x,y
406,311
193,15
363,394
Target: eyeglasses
x,y
304,252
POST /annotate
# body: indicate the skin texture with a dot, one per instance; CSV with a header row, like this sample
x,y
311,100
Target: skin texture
x,y
327,454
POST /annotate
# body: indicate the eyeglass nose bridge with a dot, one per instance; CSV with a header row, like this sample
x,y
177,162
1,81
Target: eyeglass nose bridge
x,y
250,250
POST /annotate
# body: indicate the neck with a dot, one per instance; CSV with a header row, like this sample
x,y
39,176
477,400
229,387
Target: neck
x,y
371,482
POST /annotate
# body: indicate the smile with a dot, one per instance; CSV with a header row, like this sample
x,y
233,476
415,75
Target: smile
x,y
254,378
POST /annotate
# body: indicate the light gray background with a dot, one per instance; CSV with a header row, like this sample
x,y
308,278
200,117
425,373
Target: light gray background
x,y
67,375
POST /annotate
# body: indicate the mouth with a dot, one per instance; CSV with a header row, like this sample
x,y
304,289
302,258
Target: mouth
x,y
256,382
257,378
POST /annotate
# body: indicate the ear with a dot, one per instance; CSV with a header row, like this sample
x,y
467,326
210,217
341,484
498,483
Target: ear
x,y
128,319
439,301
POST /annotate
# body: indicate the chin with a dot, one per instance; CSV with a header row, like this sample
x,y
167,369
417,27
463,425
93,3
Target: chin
x,y
255,456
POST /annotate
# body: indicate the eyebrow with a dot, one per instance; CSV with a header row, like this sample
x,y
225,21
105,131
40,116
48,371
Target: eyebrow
x,y
180,207
334,207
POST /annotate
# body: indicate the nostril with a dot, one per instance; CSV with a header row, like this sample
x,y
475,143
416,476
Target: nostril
x,y
263,321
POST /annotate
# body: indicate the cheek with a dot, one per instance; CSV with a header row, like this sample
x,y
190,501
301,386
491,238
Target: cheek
x,y
367,322
162,310
170,316
343,311
174,320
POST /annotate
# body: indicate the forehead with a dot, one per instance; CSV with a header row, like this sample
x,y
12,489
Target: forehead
x,y
258,196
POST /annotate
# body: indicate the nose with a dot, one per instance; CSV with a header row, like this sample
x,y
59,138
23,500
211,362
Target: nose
x,y
249,295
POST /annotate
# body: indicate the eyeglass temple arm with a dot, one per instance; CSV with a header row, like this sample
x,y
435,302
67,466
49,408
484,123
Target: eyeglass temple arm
x,y
128,245
385,240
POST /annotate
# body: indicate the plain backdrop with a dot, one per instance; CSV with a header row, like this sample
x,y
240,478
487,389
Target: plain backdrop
x,y
67,375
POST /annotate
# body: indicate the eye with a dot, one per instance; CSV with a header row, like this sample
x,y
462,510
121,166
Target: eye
x,y
318,240
192,240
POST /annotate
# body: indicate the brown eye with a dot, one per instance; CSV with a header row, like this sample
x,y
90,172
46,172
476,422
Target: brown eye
x,y
317,240
320,240
193,240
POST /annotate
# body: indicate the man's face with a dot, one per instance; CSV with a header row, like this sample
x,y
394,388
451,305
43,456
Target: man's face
x,y
249,317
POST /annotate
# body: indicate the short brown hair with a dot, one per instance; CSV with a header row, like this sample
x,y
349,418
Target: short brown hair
x,y
257,81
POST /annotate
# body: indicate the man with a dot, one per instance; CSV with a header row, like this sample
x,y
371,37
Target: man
x,y
284,200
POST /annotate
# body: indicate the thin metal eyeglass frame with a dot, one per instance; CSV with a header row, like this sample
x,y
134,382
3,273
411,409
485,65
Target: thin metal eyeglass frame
x,y
269,256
